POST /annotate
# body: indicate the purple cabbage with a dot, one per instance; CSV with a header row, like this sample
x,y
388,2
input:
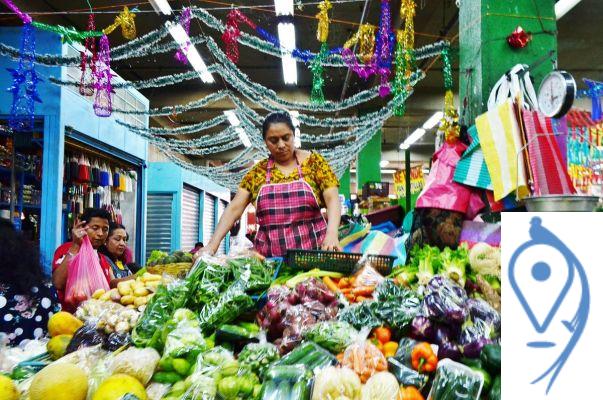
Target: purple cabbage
x,y
422,329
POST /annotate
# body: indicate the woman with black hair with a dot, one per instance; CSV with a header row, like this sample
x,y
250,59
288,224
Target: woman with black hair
x,y
116,250
27,298
289,189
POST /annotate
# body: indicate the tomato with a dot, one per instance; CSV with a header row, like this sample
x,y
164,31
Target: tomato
x,y
383,334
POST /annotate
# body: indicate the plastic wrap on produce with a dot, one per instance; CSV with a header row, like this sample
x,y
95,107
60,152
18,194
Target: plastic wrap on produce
x,y
364,358
11,356
257,356
381,386
367,276
334,383
445,301
334,336
85,358
456,381
139,363
156,391
86,336
185,336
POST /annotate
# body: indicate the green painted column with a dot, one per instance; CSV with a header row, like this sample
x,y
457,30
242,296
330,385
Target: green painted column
x,y
368,169
484,52
344,184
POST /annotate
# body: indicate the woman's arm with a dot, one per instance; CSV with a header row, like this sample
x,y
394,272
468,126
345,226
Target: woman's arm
x,y
232,214
331,242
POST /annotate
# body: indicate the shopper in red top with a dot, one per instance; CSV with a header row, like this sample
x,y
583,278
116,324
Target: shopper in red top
x,y
94,223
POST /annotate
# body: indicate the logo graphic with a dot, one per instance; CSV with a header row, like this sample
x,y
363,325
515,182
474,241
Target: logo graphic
x,y
541,272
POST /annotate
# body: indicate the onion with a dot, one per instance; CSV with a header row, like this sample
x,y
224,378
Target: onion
x,y
274,315
328,297
270,304
293,299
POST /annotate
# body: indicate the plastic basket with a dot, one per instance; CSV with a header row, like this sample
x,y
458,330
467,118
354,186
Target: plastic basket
x,y
336,261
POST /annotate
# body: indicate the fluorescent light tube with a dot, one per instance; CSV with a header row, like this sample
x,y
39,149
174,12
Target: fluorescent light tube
x,y
232,118
161,6
194,58
433,120
243,137
286,37
562,7
383,163
283,7
416,135
388,171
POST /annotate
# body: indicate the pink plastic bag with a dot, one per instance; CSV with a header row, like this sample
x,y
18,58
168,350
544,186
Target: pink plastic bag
x,y
441,191
84,275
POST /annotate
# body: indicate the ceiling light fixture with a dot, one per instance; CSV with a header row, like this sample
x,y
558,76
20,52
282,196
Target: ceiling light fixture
x,y
234,121
243,137
297,134
286,38
416,135
194,58
383,163
161,6
283,7
232,117
562,7
433,120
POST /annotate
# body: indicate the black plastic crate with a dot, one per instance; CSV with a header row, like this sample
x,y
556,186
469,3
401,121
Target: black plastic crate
x,y
336,261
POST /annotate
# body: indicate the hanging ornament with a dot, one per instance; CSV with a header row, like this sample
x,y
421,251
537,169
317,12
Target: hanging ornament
x,y
317,95
23,16
125,19
405,52
322,31
24,87
519,38
447,69
384,47
449,125
185,22
102,75
365,39
88,61
231,35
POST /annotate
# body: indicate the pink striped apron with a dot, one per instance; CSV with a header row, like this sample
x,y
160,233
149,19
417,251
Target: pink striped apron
x,y
288,215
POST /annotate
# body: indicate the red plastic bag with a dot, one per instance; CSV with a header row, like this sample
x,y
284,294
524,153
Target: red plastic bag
x,y
84,275
441,191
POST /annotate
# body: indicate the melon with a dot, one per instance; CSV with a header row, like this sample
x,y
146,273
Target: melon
x,y
117,386
8,389
63,323
59,381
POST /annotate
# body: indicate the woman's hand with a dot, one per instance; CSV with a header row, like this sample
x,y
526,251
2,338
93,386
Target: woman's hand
x,y
78,232
204,250
331,242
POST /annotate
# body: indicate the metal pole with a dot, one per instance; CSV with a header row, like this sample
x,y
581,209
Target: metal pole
x,y
13,182
407,177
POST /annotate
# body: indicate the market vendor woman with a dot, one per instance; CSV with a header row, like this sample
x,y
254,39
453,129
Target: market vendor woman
x,y
289,189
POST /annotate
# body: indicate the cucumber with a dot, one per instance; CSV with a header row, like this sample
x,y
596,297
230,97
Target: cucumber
x,y
311,359
284,390
284,373
166,377
300,391
269,390
297,354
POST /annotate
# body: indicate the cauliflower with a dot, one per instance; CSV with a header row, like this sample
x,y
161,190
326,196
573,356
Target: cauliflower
x,y
485,259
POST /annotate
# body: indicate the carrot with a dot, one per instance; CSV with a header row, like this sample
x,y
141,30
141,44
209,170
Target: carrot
x,y
363,290
350,297
344,283
361,298
346,290
330,284
352,280
340,358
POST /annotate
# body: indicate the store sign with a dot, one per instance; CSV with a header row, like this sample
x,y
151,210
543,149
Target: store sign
x,y
551,320
417,181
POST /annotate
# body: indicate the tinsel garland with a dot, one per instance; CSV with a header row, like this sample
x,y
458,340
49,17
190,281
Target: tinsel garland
x,y
447,69
317,95
24,86
88,62
102,80
322,31
70,35
125,19
185,22
182,130
405,53
177,109
23,16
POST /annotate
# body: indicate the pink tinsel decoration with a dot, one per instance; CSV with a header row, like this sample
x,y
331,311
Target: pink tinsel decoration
x,y
231,35
88,64
102,75
185,22
24,16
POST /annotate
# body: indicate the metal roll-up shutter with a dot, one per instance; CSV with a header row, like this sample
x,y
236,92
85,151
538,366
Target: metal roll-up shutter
x,y
221,208
190,218
159,222
208,217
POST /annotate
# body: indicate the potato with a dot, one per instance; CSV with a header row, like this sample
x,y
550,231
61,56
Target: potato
x,y
105,297
124,288
122,327
139,301
115,296
141,292
153,285
126,300
98,293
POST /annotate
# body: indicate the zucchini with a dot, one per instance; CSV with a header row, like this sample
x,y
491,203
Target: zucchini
x,y
284,391
269,391
300,391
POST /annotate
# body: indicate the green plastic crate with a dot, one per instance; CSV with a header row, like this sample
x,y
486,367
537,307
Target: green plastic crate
x,y
336,261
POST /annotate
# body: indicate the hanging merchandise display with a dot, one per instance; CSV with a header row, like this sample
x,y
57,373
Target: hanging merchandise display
x,y
364,39
24,87
88,63
102,80
125,19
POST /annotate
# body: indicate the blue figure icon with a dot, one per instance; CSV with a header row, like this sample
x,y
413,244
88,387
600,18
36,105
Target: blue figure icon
x,y
541,272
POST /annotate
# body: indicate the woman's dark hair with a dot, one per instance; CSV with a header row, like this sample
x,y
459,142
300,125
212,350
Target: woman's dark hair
x,y
101,213
277,118
113,226
21,267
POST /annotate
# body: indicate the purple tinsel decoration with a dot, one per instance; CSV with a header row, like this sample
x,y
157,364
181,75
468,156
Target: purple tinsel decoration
x,y
24,87
185,22
102,84
382,58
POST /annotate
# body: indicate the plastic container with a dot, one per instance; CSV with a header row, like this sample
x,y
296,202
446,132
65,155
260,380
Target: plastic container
x,y
455,381
336,261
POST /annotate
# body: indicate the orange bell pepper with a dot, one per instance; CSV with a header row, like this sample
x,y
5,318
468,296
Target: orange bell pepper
x,y
423,358
410,393
389,349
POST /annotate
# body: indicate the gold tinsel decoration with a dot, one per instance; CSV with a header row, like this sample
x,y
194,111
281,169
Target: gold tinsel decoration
x,y
125,19
408,12
322,32
450,122
365,38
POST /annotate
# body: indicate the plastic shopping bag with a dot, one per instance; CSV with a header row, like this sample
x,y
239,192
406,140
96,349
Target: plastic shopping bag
x,y
84,275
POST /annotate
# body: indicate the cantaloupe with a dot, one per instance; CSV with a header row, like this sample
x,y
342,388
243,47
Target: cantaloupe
x,y
117,386
59,381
